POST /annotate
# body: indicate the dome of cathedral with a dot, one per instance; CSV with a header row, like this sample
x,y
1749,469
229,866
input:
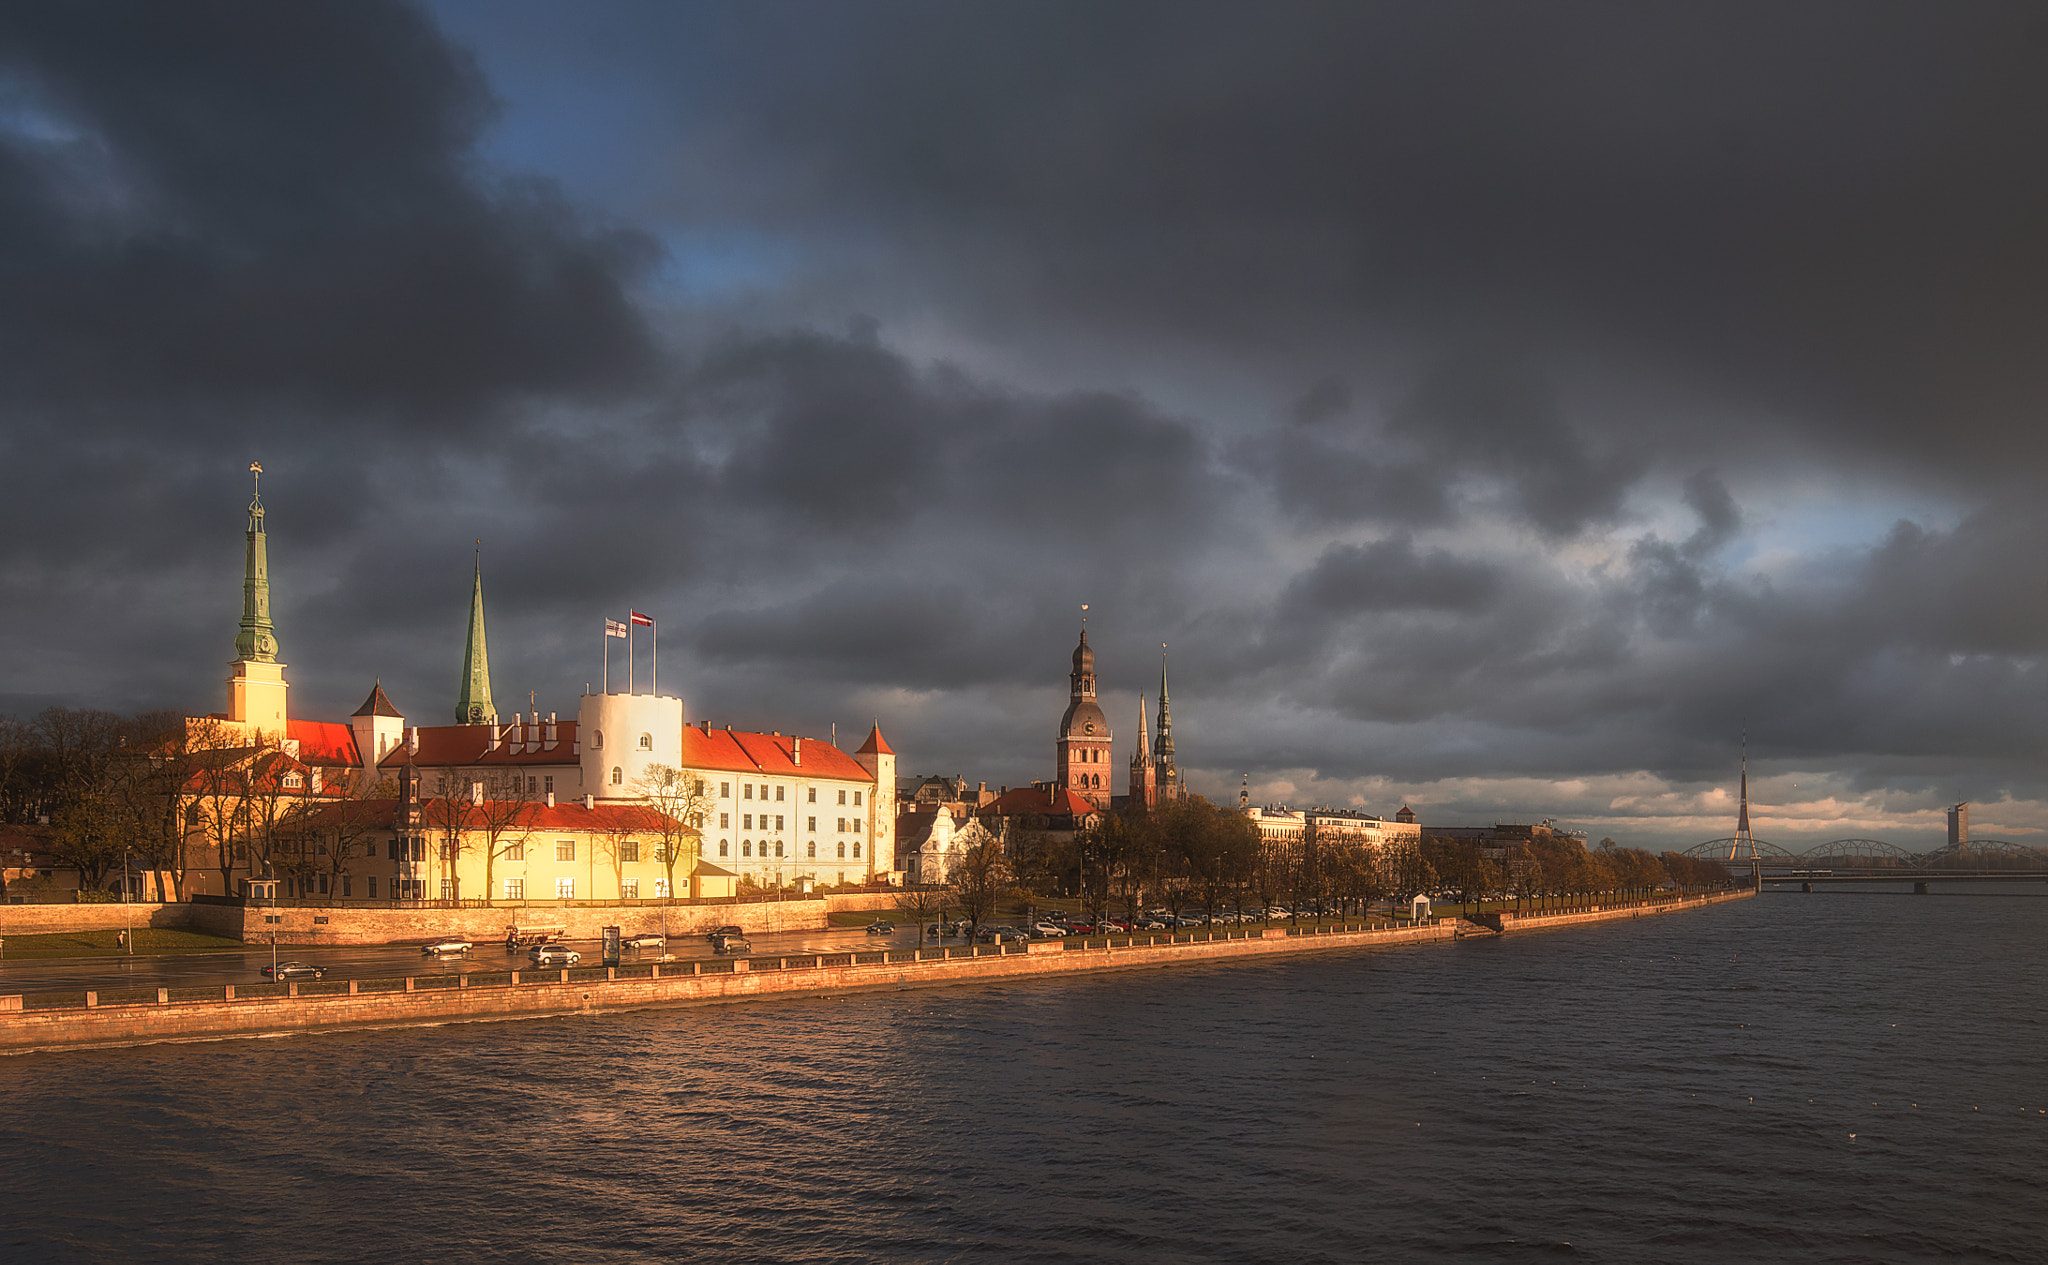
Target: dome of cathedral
x,y
1084,720
1084,658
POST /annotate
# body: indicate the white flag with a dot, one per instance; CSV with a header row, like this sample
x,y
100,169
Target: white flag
x,y
613,628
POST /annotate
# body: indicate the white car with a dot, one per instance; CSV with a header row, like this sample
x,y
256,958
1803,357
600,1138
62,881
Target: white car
x,y
553,955
444,948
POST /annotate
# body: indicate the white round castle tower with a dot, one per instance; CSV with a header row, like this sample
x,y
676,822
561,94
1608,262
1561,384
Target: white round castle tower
x,y
621,734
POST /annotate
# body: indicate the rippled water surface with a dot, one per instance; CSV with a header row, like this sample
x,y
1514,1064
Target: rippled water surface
x,y
1834,1077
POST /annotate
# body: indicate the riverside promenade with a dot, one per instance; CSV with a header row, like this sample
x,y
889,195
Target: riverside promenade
x,y
168,1014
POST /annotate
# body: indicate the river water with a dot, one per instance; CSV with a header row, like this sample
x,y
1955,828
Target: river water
x,y
1827,1077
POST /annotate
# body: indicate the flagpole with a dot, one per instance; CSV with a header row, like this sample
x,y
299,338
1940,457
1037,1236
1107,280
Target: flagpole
x,y
607,657
629,652
656,634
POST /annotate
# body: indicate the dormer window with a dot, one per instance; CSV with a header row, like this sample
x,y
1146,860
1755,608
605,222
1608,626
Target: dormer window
x,y
647,742
293,781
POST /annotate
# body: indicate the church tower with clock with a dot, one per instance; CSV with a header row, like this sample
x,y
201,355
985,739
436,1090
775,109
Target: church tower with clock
x,y
1084,742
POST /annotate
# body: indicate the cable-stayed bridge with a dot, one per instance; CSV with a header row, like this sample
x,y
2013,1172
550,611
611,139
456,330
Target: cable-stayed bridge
x,y
1867,860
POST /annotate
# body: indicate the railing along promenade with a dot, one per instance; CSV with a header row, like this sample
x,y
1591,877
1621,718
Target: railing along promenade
x,y
143,1015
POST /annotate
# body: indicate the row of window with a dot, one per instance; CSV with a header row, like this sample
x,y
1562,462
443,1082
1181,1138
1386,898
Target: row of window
x,y
810,849
565,889
597,741
511,785
565,850
747,792
810,823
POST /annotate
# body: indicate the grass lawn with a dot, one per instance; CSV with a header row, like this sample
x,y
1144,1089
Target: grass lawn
x,y
97,944
862,917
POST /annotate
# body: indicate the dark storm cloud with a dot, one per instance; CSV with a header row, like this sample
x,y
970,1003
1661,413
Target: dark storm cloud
x,y
1430,377
229,207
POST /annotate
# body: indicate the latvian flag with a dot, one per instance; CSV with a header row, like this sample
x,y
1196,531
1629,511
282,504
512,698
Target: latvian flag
x,y
645,621
613,628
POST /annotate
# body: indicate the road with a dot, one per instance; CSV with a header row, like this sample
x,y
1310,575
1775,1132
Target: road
x,y
245,966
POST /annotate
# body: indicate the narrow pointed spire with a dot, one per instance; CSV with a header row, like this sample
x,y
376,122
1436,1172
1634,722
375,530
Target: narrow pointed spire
x,y
473,704
257,642
1144,755
1162,749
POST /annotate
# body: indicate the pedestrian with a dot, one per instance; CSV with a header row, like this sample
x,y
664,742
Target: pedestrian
x,y
121,940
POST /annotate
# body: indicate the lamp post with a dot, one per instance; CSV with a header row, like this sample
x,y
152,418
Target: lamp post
x,y
127,914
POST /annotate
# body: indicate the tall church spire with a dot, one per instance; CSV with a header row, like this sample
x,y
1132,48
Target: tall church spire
x,y
473,703
257,642
1162,750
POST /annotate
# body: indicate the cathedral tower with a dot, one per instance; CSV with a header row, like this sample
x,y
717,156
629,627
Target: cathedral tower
x,y
1083,752
1170,785
473,703
256,685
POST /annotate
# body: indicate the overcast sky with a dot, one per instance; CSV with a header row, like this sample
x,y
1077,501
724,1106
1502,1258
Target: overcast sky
x,y
1494,407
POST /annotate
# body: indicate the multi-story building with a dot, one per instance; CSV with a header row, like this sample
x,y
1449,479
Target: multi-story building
x,y
1279,825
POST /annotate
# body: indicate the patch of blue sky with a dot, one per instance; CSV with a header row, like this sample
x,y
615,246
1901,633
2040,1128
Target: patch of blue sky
x,y
711,264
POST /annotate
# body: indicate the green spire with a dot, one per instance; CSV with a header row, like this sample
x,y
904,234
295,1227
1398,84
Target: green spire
x,y
258,640
473,704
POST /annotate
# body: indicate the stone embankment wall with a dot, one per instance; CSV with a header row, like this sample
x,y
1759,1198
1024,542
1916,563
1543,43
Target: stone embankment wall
x,y
442,999
356,925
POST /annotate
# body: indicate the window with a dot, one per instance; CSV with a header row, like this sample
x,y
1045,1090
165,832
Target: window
x,y
764,790
372,882
856,825
778,847
447,889
348,885
812,823
550,787
629,850
811,849
515,889
812,795
565,889
725,790
661,889
856,849
746,821
842,797
856,799
647,742
443,785
629,889
618,776
597,740
515,851
842,825
778,821
565,849
725,821
746,847
722,845
293,781
778,795
746,790
842,849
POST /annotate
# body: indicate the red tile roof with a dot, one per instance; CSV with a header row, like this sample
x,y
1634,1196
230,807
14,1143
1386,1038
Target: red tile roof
x,y
1028,800
573,816
772,754
876,743
379,704
323,742
456,745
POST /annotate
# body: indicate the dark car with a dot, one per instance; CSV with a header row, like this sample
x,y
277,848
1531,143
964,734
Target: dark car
x,y
881,928
295,970
733,944
717,932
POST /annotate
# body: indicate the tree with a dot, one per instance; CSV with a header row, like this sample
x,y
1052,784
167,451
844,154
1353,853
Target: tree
x,y
981,877
683,801
217,794
921,904
473,819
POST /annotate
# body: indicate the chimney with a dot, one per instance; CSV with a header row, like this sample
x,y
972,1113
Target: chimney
x,y
551,799
548,734
589,800
704,726
476,792
796,751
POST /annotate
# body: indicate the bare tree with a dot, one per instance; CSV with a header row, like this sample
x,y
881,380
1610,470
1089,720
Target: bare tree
x,y
683,801
473,820
981,876
922,903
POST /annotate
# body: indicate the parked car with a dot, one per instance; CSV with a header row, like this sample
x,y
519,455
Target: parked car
x,y
881,928
553,955
645,940
716,932
1148,923
999,934
733,944
1052,930
295,970
443,948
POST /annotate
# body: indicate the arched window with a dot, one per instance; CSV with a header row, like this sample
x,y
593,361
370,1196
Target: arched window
x,y
618,776
812,851
746,847
647,742
597,740
722,846
842,849
856,850
778,847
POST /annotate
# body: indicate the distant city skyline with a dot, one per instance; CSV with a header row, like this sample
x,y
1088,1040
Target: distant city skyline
x,y
1494,409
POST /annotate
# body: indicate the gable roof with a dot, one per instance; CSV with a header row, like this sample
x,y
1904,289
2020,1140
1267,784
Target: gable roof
x,y
323,741
772,754
1027,801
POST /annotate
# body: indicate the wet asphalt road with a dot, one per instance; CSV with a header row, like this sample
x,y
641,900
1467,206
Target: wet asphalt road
x,y
204,970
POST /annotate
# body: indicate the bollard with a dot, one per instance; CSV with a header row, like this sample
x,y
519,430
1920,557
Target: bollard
x,y
291,990
163,996
352,988
611,973
515,977
654,972
227,992
408,983
92,999
565,975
